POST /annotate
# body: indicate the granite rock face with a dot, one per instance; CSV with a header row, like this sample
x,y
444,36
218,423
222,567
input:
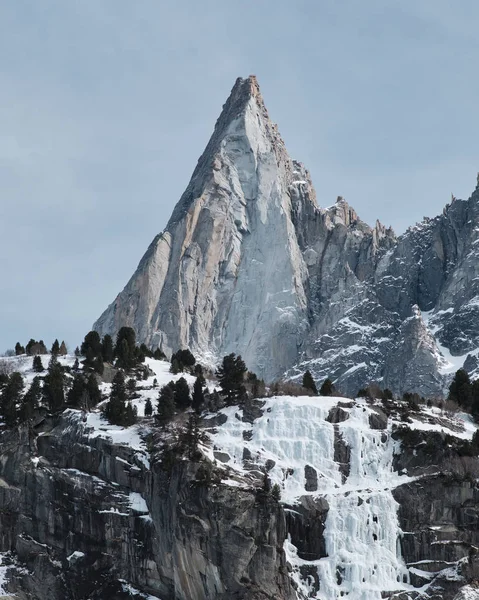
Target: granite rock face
x,y
89,519
85,518
249,263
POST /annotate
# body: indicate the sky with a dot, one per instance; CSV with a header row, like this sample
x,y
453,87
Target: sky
x,y
106,106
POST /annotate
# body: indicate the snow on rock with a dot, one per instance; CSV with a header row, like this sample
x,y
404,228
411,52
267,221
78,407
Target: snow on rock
x,y
138,503
74,556
361,530
134,593
468,592
3,576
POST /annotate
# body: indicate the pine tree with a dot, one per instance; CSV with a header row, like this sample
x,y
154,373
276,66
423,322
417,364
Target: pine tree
x,y
19,349
77,352
10,398
93,391
115,409
55,348
166,402
30,400
53,391
63,349
276,492
76,394
327,389
175,367
231,375
76,365
308,383
29,346
191,437
131,387
92,341
37,364
125,348
107,349
148,408
130,415
155,382
159,355
461,390
98,365
198,399
184,360
182,394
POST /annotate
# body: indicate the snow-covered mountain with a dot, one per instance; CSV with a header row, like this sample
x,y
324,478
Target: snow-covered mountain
x,y
249,263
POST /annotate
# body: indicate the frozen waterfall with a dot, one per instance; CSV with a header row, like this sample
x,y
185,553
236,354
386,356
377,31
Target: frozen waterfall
x,y
361,530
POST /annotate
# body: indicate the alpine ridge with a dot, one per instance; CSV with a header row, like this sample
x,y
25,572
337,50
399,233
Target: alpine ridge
x,y
249,263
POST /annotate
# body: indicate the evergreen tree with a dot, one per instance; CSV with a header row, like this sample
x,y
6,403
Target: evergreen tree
x,y
19,349
231,377
55,348
76,365
182,394
327,389
11,397
131,387
29,346
76,394
130,415
37,364
63,349
190,438
184,358
118,411
125,348
53,392
91,342
175,367
461,390
276,492
475,400
148,408
77,352
107,349
34,347
198,399
308,383
155,382
93,391
30,400
166,402
159,355
98,365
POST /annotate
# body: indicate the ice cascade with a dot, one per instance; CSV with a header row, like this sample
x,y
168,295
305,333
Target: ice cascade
x,y
362,533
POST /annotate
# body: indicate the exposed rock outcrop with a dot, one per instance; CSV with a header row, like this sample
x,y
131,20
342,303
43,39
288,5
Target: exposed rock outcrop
x,y
86,518
249,263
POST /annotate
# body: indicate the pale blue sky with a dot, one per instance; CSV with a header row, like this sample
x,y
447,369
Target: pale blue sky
x,y
106,105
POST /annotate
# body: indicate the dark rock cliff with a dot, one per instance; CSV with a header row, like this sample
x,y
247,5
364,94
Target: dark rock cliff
x,y
85,518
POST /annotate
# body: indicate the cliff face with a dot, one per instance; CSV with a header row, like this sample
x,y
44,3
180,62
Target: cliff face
x,y
87,517
373,505
249,263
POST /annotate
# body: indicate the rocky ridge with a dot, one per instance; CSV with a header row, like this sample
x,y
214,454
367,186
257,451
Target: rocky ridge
x,y
249,263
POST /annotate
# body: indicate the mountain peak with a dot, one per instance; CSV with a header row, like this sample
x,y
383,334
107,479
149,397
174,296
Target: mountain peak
x,y
244,115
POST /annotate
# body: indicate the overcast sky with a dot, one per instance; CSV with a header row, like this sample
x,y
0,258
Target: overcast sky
x,y
106,105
